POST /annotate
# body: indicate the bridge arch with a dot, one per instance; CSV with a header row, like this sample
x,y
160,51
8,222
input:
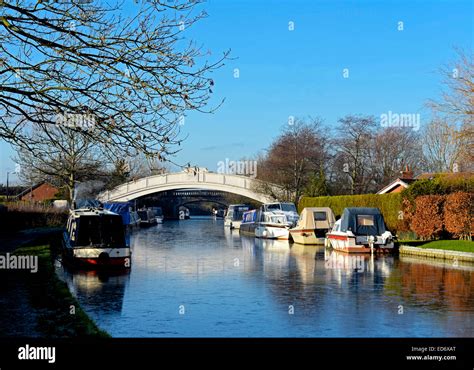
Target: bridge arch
x,y
195,179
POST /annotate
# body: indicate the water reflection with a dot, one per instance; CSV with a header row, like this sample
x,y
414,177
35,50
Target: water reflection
x,y
230,285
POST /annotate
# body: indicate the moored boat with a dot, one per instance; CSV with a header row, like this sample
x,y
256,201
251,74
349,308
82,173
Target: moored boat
x,y
249,222
158,213
273,225
234,215
147,217
96,238
360,230
287,208
313,225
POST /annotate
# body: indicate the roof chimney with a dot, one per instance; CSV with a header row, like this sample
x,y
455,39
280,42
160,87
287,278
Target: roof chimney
x,y
407,174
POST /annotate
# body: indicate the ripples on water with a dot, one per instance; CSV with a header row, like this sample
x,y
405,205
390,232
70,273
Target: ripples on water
x,y
193,278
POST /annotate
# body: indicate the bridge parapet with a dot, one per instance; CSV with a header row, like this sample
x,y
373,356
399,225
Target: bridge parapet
x,y
235,184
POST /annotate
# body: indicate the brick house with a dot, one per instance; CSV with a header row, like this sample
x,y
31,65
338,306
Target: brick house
x,y
39,193
401,183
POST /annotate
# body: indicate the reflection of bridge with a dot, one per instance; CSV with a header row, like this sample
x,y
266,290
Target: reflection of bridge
x,y
193,180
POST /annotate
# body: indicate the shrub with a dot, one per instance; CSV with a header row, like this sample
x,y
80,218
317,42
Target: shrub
x,y
443,183
389,204
458,210
428,219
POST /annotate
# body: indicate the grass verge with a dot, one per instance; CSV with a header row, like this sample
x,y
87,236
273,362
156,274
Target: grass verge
x,y
451,245
51,297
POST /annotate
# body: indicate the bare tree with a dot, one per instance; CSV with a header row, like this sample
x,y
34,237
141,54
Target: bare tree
x,y
354,144
457,97
443,146
297,154
135,77
394,148
62,157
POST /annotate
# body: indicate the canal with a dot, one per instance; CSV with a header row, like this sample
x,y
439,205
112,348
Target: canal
x,y
194,279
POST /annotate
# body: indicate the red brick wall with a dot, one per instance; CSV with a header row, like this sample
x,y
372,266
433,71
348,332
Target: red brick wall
x,y
41,193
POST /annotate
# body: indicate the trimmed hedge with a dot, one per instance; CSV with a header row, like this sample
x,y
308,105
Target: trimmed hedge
x,y
389,204
428,220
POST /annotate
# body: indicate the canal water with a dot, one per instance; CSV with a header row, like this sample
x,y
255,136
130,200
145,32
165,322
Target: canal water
x,y
193,278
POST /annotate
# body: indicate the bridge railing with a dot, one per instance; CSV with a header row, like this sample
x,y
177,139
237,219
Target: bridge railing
x,y
187,179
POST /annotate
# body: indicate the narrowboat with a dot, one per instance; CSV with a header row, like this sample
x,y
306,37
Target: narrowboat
x,y
147,217
249,222
95,237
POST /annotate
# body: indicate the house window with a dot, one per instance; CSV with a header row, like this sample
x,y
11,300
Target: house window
x,y
365,220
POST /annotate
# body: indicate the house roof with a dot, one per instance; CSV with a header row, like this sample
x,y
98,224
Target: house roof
x,y
427,175
31,188
394,184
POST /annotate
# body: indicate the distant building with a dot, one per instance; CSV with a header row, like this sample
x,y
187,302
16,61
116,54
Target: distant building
x,y
38,193
401,183
406,179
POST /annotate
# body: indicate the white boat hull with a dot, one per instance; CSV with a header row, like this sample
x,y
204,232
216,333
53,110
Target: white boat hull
x,y
272,232
306,237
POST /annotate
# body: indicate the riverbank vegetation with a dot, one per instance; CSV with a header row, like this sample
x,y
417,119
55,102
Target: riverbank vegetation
x,y
17,216
57,312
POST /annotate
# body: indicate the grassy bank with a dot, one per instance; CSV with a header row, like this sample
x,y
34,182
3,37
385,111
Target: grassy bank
x,y
449,245
51,298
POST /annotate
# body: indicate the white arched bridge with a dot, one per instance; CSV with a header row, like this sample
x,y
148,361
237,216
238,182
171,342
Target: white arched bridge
x,y
188,179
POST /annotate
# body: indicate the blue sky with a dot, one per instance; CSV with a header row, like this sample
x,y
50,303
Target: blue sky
x,y
300,73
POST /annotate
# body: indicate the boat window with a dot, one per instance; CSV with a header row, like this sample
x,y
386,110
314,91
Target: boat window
x,y
277,219
272,207
319,216
365,220
288,207
106,230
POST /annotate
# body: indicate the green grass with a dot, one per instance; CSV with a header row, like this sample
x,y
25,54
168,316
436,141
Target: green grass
x,y
52,298
452,245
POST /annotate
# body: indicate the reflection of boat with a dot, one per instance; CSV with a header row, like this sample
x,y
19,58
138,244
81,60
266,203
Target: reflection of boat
x,y
147,217
273,225
249,222
273,244
313,225
233,218
99,288
96,238
360,230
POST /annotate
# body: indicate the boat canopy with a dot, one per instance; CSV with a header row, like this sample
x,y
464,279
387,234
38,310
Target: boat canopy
x,y
316,218
363,221
121,208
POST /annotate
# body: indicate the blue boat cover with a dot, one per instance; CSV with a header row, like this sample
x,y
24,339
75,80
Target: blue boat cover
x,y
122,208
87,203
249,216
349,221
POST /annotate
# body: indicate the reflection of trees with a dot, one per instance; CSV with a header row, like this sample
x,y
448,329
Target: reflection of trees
x,y
426,283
